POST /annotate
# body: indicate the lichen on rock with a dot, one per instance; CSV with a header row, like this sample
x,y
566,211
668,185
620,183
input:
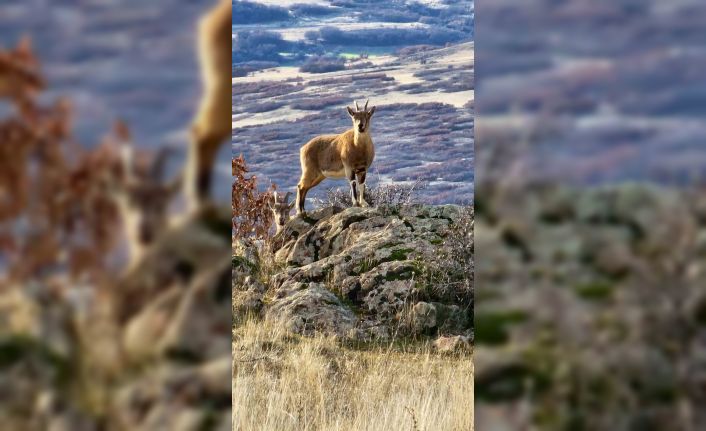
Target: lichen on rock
x,y
358,273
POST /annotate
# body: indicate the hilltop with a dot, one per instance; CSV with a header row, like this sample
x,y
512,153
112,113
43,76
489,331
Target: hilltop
x,y
344,304
360,274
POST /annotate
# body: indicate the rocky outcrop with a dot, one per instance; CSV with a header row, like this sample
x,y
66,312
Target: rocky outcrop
x,y
359,273
247,291
310,308
604,284
149,352
454,344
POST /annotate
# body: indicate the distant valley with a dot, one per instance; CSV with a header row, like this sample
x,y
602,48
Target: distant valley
x,y
423,127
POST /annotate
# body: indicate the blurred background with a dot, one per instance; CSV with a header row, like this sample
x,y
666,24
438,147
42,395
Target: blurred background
x,y
114,305
590,234
298,64
618,85
129,60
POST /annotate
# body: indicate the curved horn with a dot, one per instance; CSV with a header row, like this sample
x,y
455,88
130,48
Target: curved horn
x,y
357,108
286,197
366,105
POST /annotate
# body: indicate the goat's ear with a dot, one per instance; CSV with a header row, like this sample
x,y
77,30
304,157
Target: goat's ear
x,y
286,197
371,112
350,111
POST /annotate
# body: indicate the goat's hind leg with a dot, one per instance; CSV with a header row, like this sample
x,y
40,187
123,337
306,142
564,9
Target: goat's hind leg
x,y
301,196
306,183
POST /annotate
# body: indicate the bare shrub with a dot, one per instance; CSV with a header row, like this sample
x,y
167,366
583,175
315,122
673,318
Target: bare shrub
x,y
448,276
265,107
55,214
251,214
380,195
456,258
319,103
323,64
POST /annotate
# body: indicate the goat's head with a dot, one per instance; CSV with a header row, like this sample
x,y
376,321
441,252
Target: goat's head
x,y
281,207
361,118
143,198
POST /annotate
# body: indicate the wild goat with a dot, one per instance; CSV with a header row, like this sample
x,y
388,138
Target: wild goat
x,y
212,124
281,207
348,155
143,197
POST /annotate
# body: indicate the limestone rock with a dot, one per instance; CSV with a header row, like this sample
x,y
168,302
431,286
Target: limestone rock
x,y
313,309
364,267
453,344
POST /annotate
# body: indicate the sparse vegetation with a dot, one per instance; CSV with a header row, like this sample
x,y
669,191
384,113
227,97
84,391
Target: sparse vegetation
x,y
247,12
251,213
323,64
258,45
284,382
391,195
454,268
385,36
319,103
55,214
312,10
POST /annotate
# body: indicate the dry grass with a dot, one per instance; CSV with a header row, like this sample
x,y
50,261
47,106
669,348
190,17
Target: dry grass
x,y
284,382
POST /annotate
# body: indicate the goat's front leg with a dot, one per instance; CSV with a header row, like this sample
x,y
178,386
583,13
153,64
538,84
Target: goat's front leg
x,y
360,175
350,174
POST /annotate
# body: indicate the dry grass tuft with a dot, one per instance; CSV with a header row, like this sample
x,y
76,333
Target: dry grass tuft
x,y
285,382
